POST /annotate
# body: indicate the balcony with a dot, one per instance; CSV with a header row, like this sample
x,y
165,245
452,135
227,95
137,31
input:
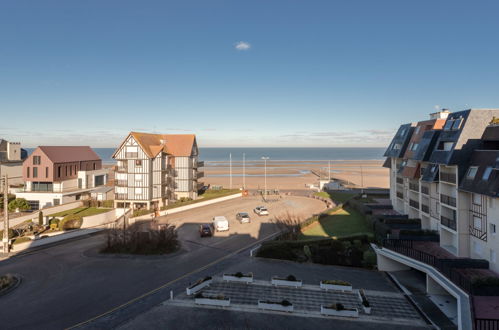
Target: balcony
x,y
414,204
120,196
199,164
400,195
400,180
121,183
425,190
200,175
425,208
414,187
448,177
448,222
448,200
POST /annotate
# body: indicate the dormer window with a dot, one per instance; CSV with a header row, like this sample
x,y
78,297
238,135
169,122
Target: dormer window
x,y
486,173
457,123
415,147
448,124
471,172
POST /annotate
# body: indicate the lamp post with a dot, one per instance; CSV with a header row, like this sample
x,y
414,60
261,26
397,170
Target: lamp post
x,y
265,173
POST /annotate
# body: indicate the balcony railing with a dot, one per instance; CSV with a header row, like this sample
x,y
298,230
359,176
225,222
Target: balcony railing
x,y
448,200
414,203
200,164
122,183
414,187
425,190
448,177
120,196
122,169
199,175
425,208
400,195
400,180
129,155
448,222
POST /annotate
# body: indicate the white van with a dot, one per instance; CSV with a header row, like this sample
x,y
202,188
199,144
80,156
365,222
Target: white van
x,y
220,223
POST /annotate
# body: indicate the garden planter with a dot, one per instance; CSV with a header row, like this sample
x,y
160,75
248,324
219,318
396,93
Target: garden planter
x,y
367,310
212,302
283,282
196,287
233,278
336,287
275,306
354,312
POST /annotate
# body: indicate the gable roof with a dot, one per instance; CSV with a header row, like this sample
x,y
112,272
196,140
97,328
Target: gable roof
x,y
65,154
179,145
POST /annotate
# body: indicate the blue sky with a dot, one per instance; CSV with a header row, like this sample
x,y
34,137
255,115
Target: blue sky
x,y
313,73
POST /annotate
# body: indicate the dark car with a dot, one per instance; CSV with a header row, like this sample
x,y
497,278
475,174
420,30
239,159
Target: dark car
x,y
205,230
243,217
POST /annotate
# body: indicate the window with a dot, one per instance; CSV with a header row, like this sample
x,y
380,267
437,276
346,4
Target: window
x,y
58,171
138,191
35,172
138,177
46,172
417,130
57,201
410,145
36,160
477,223
492,228
471,172
445,146
396,146
477,199
486,173
70,170
492,256
27,172
402,132
66,167
477,248
457,124
448,124
415,147
95,166
138,163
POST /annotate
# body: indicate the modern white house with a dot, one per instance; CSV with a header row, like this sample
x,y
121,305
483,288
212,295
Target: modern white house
x,y
153,169
55,175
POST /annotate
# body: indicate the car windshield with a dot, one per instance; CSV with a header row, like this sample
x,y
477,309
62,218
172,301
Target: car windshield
x,y
263,209
243,214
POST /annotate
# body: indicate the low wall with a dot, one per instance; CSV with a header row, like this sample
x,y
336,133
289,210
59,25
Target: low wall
x,y
188,207
46,211
100,219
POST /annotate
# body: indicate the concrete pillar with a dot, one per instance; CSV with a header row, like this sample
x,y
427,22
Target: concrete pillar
x,y
388,265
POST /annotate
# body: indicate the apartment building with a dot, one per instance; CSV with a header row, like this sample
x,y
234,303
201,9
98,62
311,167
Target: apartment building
x,y
11,161
153,169
56,175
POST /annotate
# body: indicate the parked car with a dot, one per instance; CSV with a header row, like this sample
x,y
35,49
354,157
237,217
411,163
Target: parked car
x,y
261,210
205,230
243,217
220,223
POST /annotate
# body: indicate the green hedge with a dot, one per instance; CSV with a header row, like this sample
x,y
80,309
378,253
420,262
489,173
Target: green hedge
x,y
71,221
138,213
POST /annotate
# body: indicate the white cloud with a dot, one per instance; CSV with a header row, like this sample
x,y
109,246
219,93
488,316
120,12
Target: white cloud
x,y
242,45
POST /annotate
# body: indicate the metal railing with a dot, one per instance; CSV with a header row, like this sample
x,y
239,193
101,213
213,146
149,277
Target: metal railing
x,y
448,222
414,187
448,200
425,190
200,163
486,324
448,177
400,195
400,180
122,169
199,175
120,197
122,183
425,208
414,203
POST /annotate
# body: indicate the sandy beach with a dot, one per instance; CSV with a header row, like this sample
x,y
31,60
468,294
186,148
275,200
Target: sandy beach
x,y
296,174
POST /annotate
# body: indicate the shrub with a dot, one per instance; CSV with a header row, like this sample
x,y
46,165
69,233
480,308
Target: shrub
x,y
71,221
11,233
199,295
238,274
338,307
291,278
138,213
21,240
6,281
369,258
18,203
285,303
108,204
276,251
40,218
337,282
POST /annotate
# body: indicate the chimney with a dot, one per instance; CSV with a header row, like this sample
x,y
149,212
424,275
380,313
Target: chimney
x,y
440,114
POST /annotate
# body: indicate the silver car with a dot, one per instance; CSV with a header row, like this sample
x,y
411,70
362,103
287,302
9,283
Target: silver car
x,y
243,217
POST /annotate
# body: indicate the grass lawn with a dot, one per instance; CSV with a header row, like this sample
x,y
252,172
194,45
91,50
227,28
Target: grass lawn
x,y
208,194
340,223
337,196
82,211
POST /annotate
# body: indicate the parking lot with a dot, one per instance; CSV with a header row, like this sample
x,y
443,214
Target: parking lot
x,y
188,222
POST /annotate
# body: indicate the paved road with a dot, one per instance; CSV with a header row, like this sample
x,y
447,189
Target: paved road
x,y
70,283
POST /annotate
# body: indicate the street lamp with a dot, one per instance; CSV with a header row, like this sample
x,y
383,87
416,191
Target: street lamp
x,y
265,172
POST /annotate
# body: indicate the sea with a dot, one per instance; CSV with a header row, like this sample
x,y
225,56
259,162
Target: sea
x,y
222,155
